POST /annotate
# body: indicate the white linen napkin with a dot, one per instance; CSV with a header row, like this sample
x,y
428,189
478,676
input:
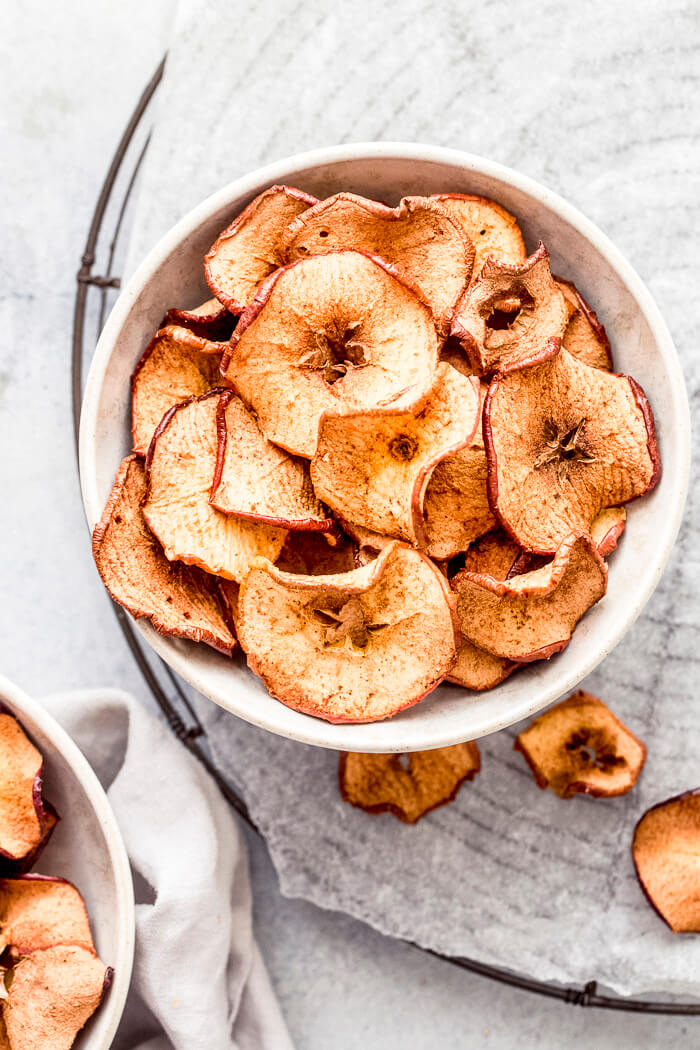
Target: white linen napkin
x,y
191,872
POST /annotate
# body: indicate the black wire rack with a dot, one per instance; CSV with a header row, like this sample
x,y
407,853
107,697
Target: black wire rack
x,y
94,296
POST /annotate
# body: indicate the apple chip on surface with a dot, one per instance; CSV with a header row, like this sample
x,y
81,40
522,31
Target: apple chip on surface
x,y
255,479
491,229
178,599
409,786
210,320
179,474
22,814
580,747
510,312
354,647
532,616
563,442
606,529
584,336
336,333
38,911
666,854
373,467
175,365
51,994
418,237
248,250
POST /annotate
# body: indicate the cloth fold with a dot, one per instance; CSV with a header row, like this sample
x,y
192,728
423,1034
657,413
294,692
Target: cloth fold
x,y
198,980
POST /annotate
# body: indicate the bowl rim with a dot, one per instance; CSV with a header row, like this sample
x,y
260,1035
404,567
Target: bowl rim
x,y
113,1007
350,736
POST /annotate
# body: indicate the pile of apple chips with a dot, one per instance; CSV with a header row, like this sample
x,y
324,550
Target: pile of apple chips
x,y
390,451
51,979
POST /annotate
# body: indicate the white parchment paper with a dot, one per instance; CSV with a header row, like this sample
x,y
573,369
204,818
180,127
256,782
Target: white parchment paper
x,y
599,103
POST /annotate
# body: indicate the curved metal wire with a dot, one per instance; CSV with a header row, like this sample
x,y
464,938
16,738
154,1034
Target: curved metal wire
x,y
186,725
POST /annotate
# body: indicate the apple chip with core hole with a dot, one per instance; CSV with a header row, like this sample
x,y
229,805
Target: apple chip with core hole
x,y
563,442
373,467
336,333
51,994
491,229
606,529
666,854
476,669
248,250
409,786
584,335
176,364
579,747
532,616
255,479
179,473
456,507
418,237
355,647
510,312
38,911
210,320
177,599
309,554
24,820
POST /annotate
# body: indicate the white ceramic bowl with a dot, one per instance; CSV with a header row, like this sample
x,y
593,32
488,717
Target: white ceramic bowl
x,y
87,849
172,276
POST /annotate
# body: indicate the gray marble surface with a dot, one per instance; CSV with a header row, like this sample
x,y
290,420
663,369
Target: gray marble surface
x,y
73,73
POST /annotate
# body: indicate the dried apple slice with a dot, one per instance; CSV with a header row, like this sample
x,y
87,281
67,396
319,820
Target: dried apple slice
x,y
255,479
209,320
359,646
532,616
22,815
38,911
175,365
563,442
606,529
456,507
309,554
248,250
373,467
491,229
179,472
584,336
51,994
666,854
335,333
510,312
177,599
409,786
418,237
579,747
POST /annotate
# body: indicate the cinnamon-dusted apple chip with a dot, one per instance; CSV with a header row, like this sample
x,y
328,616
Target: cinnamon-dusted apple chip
x,y
335,333
51,994
355,647
309,554
584,336
178,599
563,442
532,616
494,555
666,854
491,229
580,747
408,786
510,312
175,365
418,237
179,473
255,479
606,529
24,818
248,250
209,320
373,467
38,911
456,507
